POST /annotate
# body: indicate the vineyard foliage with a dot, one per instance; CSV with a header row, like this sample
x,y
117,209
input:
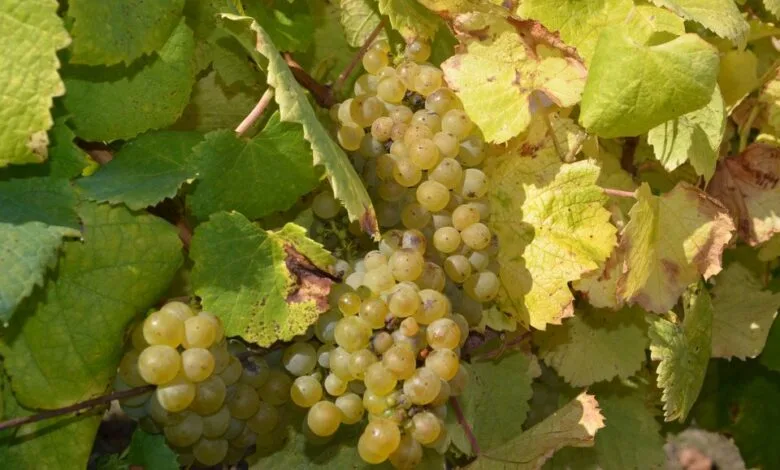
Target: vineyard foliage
x,y
171,150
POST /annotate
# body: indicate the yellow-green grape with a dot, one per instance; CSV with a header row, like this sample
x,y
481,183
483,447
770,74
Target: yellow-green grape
x,y
219,331
408,455
366,109
448,173
210,451
406,264
406,173
325,206
306,391
265,419
482,286
197,364
243,401
128,370
442,397
349,303
360,361
443,333
199,332
465,215
374,259
371,147
400,361
381,128
415,240
256,371
447,144
388,215
209,396
381,342
423,386
374,403
185,430
432,277
441,101
418,51
345,109
232,372
176,395
380,437
386,72
428,80
374,59
245,439
433,195
476,236
423,152
352,334
457,268
339,363
391,241
435,305
471,151
138,400
351,406
300,358
414,343
276,390
365,85
415,132
379,379
159,414
407,71
325,327
479,260
379,279
404,301
235,429
385,165
391,191
444,362
474,184
221,357
397,134
428,119
381,45
409,327
323,355
178,309
463,328
349,136
367,454
158,364
446,239
374,311
137,337
426,427
216,424
391,89
335,385
413,215
457,123
135,412
441,219
402,114
163,328
323,418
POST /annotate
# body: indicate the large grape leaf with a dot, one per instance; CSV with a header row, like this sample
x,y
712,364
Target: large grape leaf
x,y
749,185
229,59
632,88
770,356
119,102
256,177
694,137
65,341
683,351
502,81
722,17
31,33
738,75
145,171
670,241
295,107
266,286
120,30
546,214
575,425
359,18
743,313
288,24
150,451
329,53
595,345
410,18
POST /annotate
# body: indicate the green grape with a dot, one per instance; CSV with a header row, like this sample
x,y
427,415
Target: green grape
x,y
408,455
391,241
433,195
474,184
349,304
443,396
325,206
443,333
435,305
414,343
428,80
416,132
418,51
209,396
359,362
138,400
234,456
404,301
479,260
323,355
444,362
370,147
325,327
406,173
374,311
457,123
447,173
391,89
265,420
365,85
432,277
255,372
379,280
381,436
351,406
352,334
441,101
219,332
397,135
323,418
465,215
148,425
210,451
471,151
381,45
447,144
176,395
185,431
243,401
406,264
402,114
373,60
446,239
236,347
197,364
374,403
423,386
428,119
135,412
221,356
159,414
381,128
245,439
178,309
300,358
414,239
386,72
379,379
482,286
235,428
276,390
335,385
391,191
365,109
381,342
476,236
216,424
457,268
385,165
400,361
409,327
407,71
306,391
137,337
426,427
157,365
345,108
199,332
349,136
128,370
441,219
423,152
463,327
162,328
339,363
415,216
388,215
232,372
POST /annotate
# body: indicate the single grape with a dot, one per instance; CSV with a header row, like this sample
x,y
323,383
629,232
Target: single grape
x,y
210,451
178,309
441,101
325,327
359,362
300,358
379,280
406,264
256,372
163,328
428,119
264,420
158,364
243,401
339,363
345,108
457,268
365,109
427,427
407,71
444,394
446,239
349,136
391,89
408,455
418,51
471,151
216,424
379,379
128,370
474,184
352,334
185,431
428,80
400,361
176,395
479,260
414,343
197,364
409,327
406,173
443,333
306,391
374,60
444,362
381,342
137,337
432,277
397,135
448,173
374,311
433,195
423,386
351,406
464,216
482,286
199,332
276,390
219,331
232,372
404,301
457,123
235,429
335,385
325,206
365,85
374,403
401,113
416,132
422,151
415,240
374,259
159,414
221,356
209,396
323,418
381,436
476,236
381,128
435,305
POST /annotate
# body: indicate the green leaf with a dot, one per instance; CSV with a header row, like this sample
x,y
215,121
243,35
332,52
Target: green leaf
x,y
722,17
743,313
359,18
544,214
738,75
65,341
773,6
410,18
230,61
770,356
150,451
256,177
294,107
120,30
31,34
502,81
632,88
683,351
646,23
265,286
770,250
693,137
287,23
671,241
145,171
595,345
46,200
120,102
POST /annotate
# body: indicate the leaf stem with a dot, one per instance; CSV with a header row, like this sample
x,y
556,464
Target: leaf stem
x,y
322,94
465,425
358,56
256,112
618,193
91,403
744,130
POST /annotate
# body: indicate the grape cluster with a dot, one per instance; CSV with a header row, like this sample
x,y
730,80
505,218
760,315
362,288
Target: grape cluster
x,y
210,406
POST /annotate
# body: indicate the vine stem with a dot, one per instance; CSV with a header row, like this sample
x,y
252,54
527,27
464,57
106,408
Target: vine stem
x,y
91,403
322,94
358,56
465,425
256,112
618,193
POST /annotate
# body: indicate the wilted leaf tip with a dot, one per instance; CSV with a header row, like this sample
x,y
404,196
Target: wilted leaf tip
x,y
309,282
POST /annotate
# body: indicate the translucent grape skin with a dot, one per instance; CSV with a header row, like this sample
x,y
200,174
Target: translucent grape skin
x,y
443,334
243,401
427,428
216,424
380,438
159,364
351,406
444,362
446,239
209,396
197,364
299,358
406,264
276,390
323,418
408,455
400,361
186,431
353,333
379,379
199,332
177,394
306,391
210,451
325,206
265,419
163,328
423,386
